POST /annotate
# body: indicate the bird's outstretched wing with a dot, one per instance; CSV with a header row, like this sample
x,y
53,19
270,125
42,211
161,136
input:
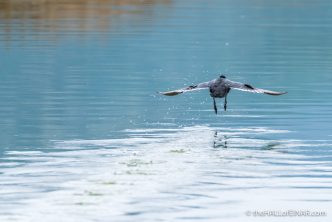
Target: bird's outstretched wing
x,y
199,86
249,88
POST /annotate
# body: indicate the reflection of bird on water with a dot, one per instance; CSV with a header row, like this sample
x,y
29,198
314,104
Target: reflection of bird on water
x,y
219,142
222,141
219,88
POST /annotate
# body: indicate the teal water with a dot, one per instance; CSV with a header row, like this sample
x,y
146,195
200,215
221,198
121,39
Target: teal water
x,y
85,137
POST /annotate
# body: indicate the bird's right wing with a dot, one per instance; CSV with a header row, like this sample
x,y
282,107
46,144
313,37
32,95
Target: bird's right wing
x,y
200,86
249,88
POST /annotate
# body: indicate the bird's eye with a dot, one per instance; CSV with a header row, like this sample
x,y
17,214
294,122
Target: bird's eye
x,y
223,77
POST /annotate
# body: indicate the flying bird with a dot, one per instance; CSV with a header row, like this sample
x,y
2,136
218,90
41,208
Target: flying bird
x,y
219,88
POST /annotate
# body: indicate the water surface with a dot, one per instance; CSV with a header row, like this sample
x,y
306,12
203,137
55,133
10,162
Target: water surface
x,y
85,137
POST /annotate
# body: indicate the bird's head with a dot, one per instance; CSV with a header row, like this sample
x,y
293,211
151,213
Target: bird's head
x,y
222,77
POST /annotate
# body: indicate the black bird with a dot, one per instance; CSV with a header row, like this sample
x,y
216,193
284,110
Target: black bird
x,y
219,88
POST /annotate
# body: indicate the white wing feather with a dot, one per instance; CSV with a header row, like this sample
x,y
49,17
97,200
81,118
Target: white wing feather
x,y
200,86
249,88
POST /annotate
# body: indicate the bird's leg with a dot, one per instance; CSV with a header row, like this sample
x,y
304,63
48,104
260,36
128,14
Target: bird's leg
x,y
215,105
225,103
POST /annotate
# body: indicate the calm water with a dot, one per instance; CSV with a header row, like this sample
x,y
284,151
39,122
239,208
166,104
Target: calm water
x,y
84,136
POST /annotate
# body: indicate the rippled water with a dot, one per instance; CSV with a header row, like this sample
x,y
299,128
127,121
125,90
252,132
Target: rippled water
x,y
84,136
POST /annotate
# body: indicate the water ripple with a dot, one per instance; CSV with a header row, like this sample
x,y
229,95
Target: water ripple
x,y
169,171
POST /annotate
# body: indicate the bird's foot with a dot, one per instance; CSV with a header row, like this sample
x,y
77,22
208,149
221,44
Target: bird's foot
x,y
215,106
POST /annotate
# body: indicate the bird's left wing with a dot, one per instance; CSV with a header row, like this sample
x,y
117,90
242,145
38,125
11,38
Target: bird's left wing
x,y
200,86
249,88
